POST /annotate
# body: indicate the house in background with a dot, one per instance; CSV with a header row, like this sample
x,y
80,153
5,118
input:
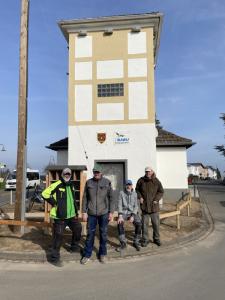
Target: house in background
x,y
111,102
212,172
201,171
198,170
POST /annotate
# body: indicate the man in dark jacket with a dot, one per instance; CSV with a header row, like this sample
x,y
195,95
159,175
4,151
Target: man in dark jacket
x,y
61,195
97,208
149,190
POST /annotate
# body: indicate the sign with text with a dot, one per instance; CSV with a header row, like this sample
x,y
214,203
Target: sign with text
x,y
121,138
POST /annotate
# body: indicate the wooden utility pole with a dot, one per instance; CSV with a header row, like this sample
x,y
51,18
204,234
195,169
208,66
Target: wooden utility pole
x,y
19,211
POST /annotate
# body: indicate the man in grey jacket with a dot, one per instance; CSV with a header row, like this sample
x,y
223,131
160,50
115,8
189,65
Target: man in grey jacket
x,y
97,208
128,210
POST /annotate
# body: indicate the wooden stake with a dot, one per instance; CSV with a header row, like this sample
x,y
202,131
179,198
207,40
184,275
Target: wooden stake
x,y
22,117
188,210
169,214
190,199
83,178
178,218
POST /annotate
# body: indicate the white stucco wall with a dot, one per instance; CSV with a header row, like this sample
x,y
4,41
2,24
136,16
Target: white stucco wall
x,y
62,157
172,167
139,152
83,46
83,70
137,67
83,103
137,42
138,100
108,69
110,111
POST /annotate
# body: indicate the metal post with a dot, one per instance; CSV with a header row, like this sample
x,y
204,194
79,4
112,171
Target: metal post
x,y
11,196
194,190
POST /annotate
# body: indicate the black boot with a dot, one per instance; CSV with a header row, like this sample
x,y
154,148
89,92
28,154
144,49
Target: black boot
x,y
157,242
144,243
56,262
136,246
75,248
54,259
122,247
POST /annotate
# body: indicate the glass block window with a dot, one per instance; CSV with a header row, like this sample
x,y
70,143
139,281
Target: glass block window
x,y
110,90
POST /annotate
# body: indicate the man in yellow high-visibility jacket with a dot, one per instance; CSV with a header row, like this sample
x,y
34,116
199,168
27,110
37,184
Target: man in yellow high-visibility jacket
x,y
61,195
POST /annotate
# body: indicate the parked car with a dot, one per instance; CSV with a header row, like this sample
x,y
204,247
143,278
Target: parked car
x,y
33,179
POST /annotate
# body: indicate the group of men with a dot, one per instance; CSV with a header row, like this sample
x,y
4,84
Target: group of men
x,y
136,206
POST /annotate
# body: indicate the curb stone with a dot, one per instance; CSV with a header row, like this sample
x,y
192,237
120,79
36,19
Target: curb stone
x,y
205,229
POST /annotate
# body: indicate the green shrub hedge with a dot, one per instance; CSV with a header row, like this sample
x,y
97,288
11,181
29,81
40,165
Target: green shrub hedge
x,y
2,185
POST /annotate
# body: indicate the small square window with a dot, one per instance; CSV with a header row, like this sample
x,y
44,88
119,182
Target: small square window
x,y
110,90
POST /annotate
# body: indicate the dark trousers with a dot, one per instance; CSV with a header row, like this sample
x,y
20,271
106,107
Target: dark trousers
x,y
92,222
137,226
155,226
58,230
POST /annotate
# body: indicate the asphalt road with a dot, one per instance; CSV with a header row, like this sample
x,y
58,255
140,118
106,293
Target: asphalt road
x,y
195,272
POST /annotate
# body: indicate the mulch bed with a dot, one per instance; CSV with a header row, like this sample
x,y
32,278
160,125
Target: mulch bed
x,y
36,239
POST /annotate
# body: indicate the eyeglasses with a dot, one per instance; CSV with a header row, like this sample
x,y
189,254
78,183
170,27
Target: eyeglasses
x,y
67,174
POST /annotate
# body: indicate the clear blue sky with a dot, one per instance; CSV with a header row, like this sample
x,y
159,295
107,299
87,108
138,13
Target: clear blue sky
x,y
190,73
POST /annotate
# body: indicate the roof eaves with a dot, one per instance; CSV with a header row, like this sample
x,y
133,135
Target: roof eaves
x,y
174,144
153,19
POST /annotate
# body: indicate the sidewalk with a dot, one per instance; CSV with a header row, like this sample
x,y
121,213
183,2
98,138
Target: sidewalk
x,y
194,191
35,245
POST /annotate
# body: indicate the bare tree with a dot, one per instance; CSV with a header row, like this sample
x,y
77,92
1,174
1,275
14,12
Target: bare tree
x,y
221,148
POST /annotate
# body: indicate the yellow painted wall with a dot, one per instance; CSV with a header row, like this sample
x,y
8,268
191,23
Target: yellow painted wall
x,y
110,47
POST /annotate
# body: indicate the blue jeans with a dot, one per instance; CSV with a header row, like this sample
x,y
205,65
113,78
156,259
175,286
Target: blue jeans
x,y
92,222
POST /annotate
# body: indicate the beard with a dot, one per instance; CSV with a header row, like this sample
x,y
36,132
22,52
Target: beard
x,y
66,179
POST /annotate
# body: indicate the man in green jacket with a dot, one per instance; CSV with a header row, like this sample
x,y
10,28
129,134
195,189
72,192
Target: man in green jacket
x,y
149,191
64,212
